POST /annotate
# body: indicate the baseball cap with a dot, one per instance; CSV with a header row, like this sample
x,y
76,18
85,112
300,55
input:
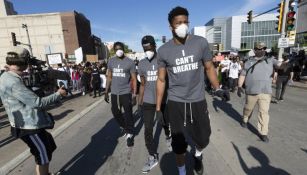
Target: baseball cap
x,y
148,40
260,45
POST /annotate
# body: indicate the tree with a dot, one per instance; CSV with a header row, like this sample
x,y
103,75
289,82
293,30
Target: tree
x,y
126,50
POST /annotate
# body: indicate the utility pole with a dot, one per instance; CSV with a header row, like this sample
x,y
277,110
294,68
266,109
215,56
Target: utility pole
x,y
283,28
25,26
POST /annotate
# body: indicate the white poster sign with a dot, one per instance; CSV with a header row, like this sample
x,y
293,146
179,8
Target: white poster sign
x,y
283,42
79,55
55,58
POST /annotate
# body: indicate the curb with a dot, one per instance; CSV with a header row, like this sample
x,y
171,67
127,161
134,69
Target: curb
x,y
8,167
294,86
299,87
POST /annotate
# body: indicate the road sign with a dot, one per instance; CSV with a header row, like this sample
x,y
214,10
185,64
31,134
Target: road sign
x,y
291,35
283,42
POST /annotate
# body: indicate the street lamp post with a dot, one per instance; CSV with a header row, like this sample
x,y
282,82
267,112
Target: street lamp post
x,y
25,26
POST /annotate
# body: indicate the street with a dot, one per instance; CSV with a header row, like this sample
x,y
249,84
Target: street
x,y
93,145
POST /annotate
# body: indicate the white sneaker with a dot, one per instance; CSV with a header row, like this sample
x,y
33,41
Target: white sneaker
x,y
169,144
151,162
83,93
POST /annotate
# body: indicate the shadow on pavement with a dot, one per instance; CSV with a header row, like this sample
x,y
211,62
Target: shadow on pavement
x,y
264,161
168,164
305,150
231,112
96,153
63,114
7,141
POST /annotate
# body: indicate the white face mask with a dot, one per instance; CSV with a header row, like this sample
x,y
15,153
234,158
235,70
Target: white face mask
x,y
182,30
119,53
149,54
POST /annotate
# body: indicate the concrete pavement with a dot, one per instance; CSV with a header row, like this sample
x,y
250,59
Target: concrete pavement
x,y
98,149
15,151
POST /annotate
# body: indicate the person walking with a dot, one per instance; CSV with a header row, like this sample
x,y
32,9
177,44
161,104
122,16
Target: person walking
x,y
282,78
234,69
148,71
121,71
96,82
257,76
184,59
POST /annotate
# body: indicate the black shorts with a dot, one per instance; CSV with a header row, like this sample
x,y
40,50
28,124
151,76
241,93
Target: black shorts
x,y
193,117
41,146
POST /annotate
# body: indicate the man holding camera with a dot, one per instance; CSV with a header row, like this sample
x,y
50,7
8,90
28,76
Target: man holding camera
x,y
24,108
257,75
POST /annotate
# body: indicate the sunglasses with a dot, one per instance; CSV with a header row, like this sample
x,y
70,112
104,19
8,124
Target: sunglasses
x,y
260,49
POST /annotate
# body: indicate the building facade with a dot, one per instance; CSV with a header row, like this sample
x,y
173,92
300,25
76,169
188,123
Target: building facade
x,y
199,31
301,30
49,33
234,33
6,8
45,33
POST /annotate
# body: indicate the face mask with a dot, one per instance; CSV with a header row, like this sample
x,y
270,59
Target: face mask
x,y
182,30
119,53
259,53
149,54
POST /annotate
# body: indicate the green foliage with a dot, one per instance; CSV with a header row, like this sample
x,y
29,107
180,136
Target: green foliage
x,y
126,50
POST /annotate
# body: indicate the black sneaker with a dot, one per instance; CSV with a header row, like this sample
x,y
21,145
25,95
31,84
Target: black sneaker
x,y
130,141
244,125
281,99
198,164
264,138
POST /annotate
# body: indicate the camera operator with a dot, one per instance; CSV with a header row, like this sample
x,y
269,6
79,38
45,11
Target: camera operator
x,y
25,110
257,75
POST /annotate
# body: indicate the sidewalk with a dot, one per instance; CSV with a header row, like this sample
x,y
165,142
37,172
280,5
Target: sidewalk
x,y
63,114
300,84
297,84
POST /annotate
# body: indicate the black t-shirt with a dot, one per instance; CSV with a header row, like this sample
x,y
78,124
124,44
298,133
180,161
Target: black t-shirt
x,y
286,70
96,76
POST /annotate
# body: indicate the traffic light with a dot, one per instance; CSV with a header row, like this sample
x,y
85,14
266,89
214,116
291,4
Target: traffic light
x,y
163,39
290,20
14,39
250,17
290,17
279,16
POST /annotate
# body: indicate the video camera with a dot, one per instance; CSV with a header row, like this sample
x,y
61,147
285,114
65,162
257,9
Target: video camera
x,y
40,78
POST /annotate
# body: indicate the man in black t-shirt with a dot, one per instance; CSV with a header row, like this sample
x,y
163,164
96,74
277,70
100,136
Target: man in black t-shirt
x,y
96,82
283,74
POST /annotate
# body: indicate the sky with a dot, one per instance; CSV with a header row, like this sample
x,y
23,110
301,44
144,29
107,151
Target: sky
x,y
129,20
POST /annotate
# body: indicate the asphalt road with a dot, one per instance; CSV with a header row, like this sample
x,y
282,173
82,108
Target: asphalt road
x,y
93,144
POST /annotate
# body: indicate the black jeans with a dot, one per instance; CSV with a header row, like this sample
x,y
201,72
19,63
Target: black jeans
x,y
281,84
233,83
149,111
125,120
96,87
224,80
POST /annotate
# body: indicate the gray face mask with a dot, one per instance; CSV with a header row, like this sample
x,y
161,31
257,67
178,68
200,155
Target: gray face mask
x,y
259,53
